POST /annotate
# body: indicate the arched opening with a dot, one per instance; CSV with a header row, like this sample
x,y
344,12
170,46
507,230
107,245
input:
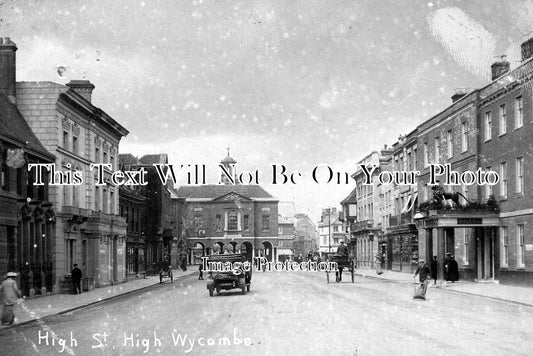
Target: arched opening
x,y
247,249
267,250
198,251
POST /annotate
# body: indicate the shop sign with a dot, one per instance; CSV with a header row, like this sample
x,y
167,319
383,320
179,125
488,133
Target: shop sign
x,y
469,221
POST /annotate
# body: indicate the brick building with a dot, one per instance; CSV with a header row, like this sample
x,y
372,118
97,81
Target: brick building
x,y
27,218
505,114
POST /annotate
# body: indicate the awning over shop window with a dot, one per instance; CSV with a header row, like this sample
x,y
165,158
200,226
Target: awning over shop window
x,y
284,251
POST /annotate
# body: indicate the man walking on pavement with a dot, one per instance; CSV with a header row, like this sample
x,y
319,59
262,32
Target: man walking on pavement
x,y
76,275
9,294
424,273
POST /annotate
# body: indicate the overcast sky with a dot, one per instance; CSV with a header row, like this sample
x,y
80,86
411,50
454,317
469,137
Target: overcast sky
x,y
296,83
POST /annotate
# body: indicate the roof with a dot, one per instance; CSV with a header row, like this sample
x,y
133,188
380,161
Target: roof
x,y
127,160
351,198
213,191
160,158
14,128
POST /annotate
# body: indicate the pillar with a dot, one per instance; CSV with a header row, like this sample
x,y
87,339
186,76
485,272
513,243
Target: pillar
x,y
441,250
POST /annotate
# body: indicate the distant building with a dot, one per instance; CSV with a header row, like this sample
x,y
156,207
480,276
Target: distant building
x,y
286,237
331,232
306,235
160,225
367,231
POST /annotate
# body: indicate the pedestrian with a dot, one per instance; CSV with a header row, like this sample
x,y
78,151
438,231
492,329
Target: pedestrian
x,y
454,270
423,273
201,271
9,294
434,269
378,264
447,264
76,275
183,264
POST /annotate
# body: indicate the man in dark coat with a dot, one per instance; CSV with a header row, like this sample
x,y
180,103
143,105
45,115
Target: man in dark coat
x,y
342,251
434,269
76,279
453,270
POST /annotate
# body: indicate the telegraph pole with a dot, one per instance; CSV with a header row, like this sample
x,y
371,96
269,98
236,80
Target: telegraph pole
x,y
329,232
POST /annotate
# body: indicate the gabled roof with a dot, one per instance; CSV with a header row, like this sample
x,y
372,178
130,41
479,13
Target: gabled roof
x,y
351,198
214,191
14,128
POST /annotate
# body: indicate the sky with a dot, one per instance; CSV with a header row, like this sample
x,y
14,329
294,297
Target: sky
x,y
292,83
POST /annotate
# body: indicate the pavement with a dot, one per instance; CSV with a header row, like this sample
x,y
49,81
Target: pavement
x,y
507,293
37,308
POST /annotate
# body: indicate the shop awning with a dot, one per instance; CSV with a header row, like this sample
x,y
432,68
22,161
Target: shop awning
x,y
284,251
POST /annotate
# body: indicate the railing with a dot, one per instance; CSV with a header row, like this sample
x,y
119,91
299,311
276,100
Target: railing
x,y
361,225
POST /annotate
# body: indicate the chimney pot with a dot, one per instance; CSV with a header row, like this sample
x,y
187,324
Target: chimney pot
x,y
82,87
8,79
500,68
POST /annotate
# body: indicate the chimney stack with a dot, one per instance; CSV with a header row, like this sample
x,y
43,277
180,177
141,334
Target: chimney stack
x,y
82,87
459,93
8,80
527,49
500,68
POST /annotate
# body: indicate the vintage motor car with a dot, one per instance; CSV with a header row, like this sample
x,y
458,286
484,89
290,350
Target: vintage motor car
x,y
228,271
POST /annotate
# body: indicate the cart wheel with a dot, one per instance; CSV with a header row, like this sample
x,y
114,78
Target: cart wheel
x,y
327,276
247,287
210,292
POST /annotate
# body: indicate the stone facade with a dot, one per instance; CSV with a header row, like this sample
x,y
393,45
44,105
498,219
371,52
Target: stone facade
x,y
89,230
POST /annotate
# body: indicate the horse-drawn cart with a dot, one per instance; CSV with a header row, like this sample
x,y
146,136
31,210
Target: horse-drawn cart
x,y
165,271
343,262
230,271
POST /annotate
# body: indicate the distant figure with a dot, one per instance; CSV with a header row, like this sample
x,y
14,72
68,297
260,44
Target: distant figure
x,y
310,256
9,293
434,269
183,265
378,264
447,264
76,279
201,271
